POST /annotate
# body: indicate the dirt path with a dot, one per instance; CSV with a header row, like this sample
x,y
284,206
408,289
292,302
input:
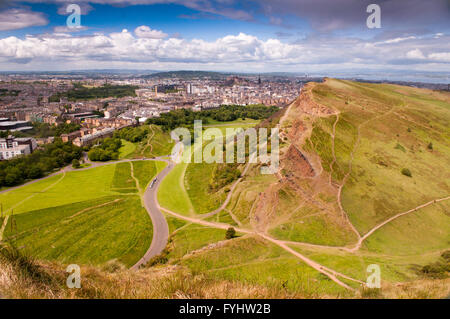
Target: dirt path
x,y
333,134
360,241
135,179
322,269
34,194
148,142
3,227
94,207
350,165
5,221
233,217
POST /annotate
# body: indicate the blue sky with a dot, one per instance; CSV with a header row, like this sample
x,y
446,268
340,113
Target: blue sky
x,y
227,35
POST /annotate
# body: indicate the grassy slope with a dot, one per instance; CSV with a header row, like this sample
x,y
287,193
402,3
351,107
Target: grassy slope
x,y
396,124
193,195
127,149
161,143
426,230
67,188
254,261
120,230
171,193
192,237
196,183
393,268
86,234
376,188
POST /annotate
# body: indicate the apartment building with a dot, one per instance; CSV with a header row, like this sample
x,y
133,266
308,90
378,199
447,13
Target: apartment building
x,y
11,147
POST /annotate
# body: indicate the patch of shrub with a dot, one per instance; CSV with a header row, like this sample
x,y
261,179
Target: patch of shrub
x,y
371,293
438,269
400,147
406,172
75,163
106,151
231,233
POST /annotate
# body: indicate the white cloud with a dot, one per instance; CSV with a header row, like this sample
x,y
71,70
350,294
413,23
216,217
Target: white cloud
x,y
232,52
13,19
415,54
442,57
65,29
396,40
145,32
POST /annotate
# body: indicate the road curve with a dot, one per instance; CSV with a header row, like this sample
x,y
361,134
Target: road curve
x,y
160,227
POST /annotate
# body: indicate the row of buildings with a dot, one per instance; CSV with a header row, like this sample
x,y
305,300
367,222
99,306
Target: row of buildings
x,y
15,146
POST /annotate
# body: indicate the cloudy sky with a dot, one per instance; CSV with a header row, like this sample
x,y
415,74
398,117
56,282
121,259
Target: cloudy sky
x,y
226,35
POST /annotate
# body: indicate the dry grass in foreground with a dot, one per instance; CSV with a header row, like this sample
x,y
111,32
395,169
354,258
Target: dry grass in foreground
x,y
23,277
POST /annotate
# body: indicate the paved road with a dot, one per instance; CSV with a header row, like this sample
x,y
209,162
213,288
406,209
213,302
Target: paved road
x,y
160,227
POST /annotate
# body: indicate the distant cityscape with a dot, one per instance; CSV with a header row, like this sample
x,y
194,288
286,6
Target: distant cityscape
x,y
30,98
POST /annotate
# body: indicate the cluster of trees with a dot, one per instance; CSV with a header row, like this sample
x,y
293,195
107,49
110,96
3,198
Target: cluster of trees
x,y
223,175
106,151
6,92
37,164
177,118
132,134
234,112
225,113
79,92
46,130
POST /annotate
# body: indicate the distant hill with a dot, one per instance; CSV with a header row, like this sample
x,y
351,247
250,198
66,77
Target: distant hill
x,y
187,74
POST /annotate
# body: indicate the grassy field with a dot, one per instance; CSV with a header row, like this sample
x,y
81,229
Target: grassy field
x,y
123,182
246,122
89,232
94,224
223,217
145,171
60,189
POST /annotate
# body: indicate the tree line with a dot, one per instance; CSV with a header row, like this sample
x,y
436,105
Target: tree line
x,y
107,150
132,134
80,92
39,163
46,130
225,113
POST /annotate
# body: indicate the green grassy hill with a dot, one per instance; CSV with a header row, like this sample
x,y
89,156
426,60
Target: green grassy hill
x,y
358,139
363,179
88,217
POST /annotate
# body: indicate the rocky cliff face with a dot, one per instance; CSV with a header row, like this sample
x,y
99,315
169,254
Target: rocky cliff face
x,y
296,163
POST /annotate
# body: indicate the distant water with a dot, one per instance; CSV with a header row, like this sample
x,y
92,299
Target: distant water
x,y
441,78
